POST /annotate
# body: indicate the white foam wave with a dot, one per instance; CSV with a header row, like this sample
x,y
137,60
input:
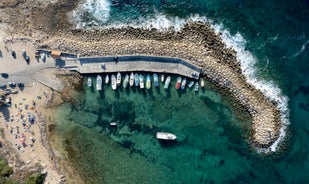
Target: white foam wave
x,y
269,88
246,59
97,9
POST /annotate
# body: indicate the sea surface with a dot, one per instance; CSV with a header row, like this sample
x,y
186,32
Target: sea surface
x,y
272,43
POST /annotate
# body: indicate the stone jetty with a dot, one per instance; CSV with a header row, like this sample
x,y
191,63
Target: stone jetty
x,y
110,64
196,43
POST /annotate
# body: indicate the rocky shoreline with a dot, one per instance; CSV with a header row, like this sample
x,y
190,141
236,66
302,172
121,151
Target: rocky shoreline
x,y
196,43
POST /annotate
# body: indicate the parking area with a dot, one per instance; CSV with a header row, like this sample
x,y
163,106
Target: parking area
x,y
19,61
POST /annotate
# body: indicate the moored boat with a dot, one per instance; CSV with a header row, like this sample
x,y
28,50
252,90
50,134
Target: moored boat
x,y
202,83
106,79
141,82
114,83
118,81
89,82
136,79
178,83
166,136
131,79
196,87
167,82
190,84
148,82
183,83
99,83
162,78
126,81
155,80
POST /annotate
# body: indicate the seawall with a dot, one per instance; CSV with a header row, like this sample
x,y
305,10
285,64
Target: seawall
x,y
197,44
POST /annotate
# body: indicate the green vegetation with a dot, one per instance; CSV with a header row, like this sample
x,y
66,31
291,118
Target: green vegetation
x,y
6,171
36,178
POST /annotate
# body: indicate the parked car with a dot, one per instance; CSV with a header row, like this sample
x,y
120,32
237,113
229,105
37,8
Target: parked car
x,y
5,75
2,86
12,84
27,59
20,84
13,54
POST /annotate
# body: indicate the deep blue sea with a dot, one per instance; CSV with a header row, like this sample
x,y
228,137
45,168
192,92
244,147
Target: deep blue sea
x,y
272,43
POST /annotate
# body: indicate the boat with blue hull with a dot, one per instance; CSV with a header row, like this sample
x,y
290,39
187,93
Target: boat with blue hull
x,y
148,82
136,80
155,80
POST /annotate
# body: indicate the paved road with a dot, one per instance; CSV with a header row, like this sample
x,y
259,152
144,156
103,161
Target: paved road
x,y
131,63
17,68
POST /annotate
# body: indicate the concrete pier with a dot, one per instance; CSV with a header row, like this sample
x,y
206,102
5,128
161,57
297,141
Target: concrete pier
x,y
110,64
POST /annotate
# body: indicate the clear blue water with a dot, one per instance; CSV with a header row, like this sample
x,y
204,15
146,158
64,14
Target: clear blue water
x,y
213,147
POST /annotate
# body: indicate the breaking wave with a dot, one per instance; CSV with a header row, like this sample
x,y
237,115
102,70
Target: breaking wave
x,y
237,42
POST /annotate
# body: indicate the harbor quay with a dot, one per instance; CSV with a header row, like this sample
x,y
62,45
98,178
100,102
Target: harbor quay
x,y
110,64
218,64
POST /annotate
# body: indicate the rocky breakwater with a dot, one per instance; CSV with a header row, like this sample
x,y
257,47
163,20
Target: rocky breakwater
x,y
196,43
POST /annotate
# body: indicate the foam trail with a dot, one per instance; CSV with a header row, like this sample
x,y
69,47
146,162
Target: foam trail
x,y
302,49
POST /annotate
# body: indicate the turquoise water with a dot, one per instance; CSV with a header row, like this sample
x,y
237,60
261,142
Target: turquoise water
x,y
271,39
211,139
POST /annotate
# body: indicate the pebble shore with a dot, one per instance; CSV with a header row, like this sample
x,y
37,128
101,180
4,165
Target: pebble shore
x,y
196,43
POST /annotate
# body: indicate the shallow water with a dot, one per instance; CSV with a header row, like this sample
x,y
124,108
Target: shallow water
x,y
211,139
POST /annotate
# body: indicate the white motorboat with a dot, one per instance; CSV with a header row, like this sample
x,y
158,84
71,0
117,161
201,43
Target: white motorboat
x,y
106,79
148,82
141,82
131,83
89,82
126,81
196,87
183,83
118,80
202,83
190,84
114,83
99,83
166,136
167,82
162,78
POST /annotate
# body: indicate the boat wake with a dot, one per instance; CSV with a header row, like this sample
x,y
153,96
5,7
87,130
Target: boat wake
x,y
300,51
237,42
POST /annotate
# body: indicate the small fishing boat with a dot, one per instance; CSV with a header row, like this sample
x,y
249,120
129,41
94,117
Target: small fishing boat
x,y
178,83
162,78
148,82
131,79
113,123
141,82
125,81
190,84
196,87
114,83
183,83
106,79
89,82
118,81
99,83
155,80
166,136
202,83
167,82
136,79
